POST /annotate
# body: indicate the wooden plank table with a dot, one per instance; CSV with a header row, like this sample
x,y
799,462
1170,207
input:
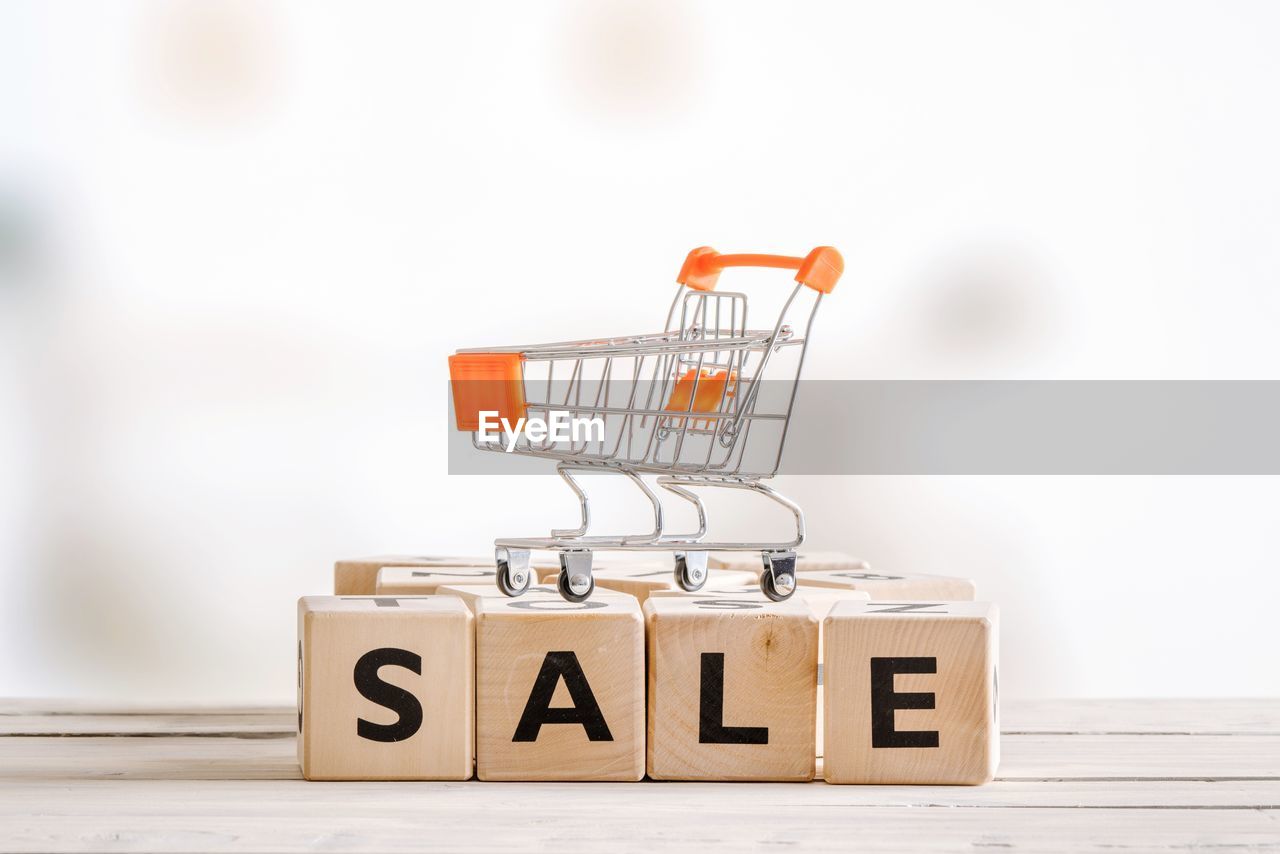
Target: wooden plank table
x,y
1105,774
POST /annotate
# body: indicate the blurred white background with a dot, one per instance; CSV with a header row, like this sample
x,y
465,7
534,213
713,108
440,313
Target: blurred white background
x,y
238,240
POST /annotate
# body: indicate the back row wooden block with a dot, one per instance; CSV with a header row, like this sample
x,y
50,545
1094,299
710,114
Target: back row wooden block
x,y
385,688
732,687
424,581
359,576
470,594
559,688
643,580
805,561
911,693
891,585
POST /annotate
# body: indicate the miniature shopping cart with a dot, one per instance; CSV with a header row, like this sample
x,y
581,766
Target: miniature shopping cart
x,y
690,404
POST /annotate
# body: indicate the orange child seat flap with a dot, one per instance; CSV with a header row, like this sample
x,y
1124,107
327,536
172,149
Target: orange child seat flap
x,y
486,382
711,390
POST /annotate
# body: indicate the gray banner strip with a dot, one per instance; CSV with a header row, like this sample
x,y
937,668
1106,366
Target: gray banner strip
x,y
1005,427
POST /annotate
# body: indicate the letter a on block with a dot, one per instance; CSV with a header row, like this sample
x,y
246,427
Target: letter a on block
x,y
910,693
559,688
584,712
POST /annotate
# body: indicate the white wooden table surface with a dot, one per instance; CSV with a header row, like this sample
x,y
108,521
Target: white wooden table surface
x,y
1102,775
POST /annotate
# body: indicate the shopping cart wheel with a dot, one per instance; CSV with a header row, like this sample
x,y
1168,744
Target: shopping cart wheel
x,y
778,580
575,582
514,574
691,570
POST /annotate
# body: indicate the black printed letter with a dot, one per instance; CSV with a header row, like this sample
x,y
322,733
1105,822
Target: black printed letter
x,y
884,700
585,710
385,694
711,728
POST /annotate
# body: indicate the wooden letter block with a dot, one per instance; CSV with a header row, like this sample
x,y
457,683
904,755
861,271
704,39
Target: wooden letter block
x,y
731,688
559,689
911,693
820,601
424,581
900,585
805,561
641,580
385,688
470,594
359,576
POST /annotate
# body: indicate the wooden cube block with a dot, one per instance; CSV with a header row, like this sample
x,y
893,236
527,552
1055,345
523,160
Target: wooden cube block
x,y
820,601
559,689
643,579
899,585
470,594
359,576
805,561
424,581
911,693
731,688
385,688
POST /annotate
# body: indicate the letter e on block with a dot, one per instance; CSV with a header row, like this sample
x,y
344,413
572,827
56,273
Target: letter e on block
x,y
911,693
385,688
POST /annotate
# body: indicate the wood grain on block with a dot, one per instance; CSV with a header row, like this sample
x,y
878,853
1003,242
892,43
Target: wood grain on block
x,y
731,688
359,576
911,693
820,601
423,581
470,594
805,561
643,579
385,688
559,689
892,585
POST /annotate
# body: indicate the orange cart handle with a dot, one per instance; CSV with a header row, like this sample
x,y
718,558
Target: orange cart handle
x,y
820,269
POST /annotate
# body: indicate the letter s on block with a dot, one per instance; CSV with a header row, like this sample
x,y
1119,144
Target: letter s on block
x,y
398,700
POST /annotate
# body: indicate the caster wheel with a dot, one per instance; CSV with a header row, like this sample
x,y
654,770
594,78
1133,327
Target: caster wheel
x,y
568,593
691,570
514,574
772,590
778,580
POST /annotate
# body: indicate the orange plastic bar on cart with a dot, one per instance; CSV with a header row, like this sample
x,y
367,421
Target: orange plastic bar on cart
x,y
712,390
820,269
486,382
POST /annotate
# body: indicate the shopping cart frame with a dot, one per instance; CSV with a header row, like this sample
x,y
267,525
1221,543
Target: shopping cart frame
x,y
700,353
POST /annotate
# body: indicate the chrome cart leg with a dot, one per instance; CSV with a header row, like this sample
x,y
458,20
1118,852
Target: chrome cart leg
x,y
691,570
581,530
575,582
778,580
513,570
